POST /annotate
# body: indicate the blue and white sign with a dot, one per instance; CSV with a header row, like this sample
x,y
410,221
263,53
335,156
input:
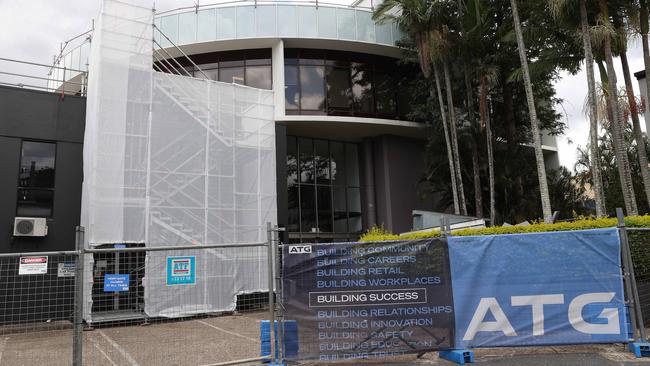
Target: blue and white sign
x,y
181,270
116,282
538,289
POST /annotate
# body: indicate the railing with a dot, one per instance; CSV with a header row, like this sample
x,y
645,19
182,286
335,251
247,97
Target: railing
x,y
36,76
196,7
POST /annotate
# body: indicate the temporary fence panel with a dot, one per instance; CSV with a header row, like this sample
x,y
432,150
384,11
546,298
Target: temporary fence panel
x,y
172,161
538,289
37,292
367,300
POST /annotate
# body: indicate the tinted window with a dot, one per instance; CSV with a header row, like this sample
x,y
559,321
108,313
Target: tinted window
x,y
322,198
36,179
312,88
37,164
258,76
232,75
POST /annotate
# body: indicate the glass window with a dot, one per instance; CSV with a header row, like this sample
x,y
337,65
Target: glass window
x,y
321,198
35,203
291,91
287,21
206,25
322,161
338,89
292,185
259,76
312,87
339,210
232,75
36,179
362,90
245,21
307,207
346,23
337,163
306,151
327,22
352,164
292,162
384,94
307,21
293,209
324,202
226,23
266,21
354,210
187,27
37,164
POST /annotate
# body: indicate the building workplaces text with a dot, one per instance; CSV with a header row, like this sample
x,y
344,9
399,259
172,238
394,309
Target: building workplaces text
x,y
372,300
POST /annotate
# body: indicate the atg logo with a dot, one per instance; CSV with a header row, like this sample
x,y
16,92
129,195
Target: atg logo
x,y
299,249
181,267
181,270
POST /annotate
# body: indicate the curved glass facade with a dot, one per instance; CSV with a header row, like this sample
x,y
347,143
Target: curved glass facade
x,y
275,20
320,82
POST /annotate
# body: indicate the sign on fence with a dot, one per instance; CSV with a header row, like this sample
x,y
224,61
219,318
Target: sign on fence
x,y
33,265
181,270
368,300
538,289
116,282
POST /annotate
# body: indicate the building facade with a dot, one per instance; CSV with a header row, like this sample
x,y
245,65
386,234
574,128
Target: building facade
x,y
349,152
348,157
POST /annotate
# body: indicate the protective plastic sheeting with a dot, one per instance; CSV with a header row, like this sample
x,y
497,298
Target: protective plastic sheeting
x,y
171,160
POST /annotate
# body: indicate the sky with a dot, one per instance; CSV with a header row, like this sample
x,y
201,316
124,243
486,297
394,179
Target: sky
x,y
33,31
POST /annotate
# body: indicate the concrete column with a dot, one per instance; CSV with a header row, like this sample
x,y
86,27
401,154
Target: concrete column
x,y
277,60
369,183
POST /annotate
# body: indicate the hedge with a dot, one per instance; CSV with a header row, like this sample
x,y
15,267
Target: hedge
x,y
379,234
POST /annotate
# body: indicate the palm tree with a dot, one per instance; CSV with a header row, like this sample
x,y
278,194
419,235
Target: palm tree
x,y
634,110
537,138
618,123
454,138
558,7
417,18
485,122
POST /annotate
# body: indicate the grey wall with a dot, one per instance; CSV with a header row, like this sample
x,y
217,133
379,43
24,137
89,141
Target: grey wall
x,y
399,164
40,116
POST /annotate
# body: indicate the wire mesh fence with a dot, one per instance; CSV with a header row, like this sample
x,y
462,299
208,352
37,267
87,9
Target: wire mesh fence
x,y
134,305
37,291
640,249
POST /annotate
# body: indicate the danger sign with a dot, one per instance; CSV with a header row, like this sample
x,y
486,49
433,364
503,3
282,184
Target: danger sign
x,y
32,265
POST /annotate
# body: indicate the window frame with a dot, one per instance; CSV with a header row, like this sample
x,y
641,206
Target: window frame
x,y
50,189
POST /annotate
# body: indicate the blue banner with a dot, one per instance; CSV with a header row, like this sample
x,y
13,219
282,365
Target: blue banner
x,y
538,289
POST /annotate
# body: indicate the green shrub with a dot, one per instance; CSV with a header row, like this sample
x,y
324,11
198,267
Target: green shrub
x,y
380,234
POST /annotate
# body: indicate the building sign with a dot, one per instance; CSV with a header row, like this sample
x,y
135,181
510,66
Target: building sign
x,y
181,270
32,265
116,282
538,289
66,269
368,300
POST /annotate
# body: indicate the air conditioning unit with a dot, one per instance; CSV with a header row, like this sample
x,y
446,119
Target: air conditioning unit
x,y
30,226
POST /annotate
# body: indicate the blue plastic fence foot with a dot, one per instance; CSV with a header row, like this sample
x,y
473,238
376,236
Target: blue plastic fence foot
x,y
640,349
459,356
290,340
